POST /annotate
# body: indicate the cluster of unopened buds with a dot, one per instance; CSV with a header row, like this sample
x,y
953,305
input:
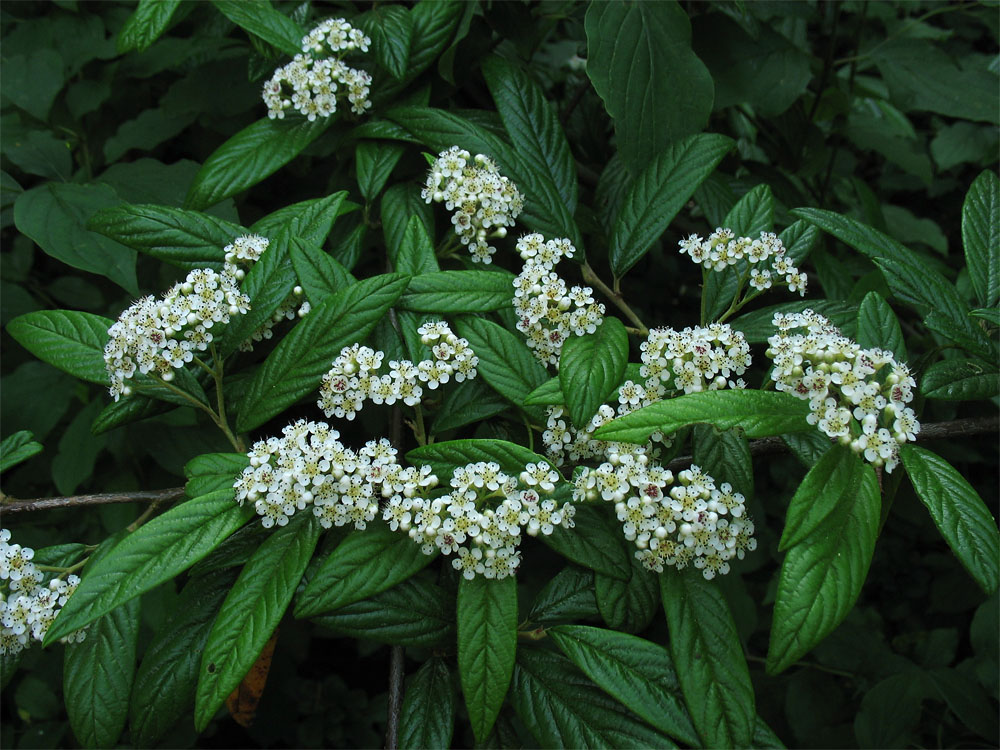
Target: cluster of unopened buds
x,y
309,467
483,516
723,249
484,202
27,606
548,312
354,377
695,522
313,80
161,335
857,396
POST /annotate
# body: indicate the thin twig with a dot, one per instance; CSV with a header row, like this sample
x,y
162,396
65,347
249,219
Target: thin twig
x,y
10,505
395,697
591,277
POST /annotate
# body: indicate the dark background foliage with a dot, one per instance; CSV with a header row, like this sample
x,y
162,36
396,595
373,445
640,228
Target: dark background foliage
x,y
882,111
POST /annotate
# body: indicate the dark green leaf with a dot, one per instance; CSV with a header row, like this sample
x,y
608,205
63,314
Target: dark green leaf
x,y
70,340
878,326
831,483
981,237
444,457
416,251
593,543
374,163
726,456
147,22
890,711
708,657
447,292
757,326
428,715
591,368
257,17
487,641
967,700
18,448
310,220
127,410
400,205
467,402
211,472
960,380
391,28
568,596
320,274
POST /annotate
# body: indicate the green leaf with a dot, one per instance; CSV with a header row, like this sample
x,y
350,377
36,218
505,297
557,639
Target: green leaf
x,y
414,612
447,292
434,25
18,448
211,472
757,326
445,457
890,711
807,447
568,596
981,237
391,28
97,676
364,564
505,362
533,126
829,484
168,675
910,278
157,551
374,163
416,251
959,513
248,157
628,605
320,274
709,660
257,17
38,152
54,215
593,542
591,368
401,204
563,708
309,220
126,411
487,641
799,239
967,700
467,402
548,393
148,21
662,187
655,88
189,239
989,314
428,715
251,612
878,326
960,380
822,575
69,340
296,366
759,413
725,455
634,671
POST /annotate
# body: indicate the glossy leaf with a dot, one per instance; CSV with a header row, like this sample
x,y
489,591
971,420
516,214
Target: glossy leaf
x,y
567,596
831,483
758,325
725,455
251,612
981,237
708,657
374,163
878,326
69,340
959,513
445,292
310,220
416,251
445,457
18,448
428,715
960,380
629,605
259,18
467,402
319,274
401,204
147,22
591,367
391,29
659,191
592,543
822,574
487,641
211,472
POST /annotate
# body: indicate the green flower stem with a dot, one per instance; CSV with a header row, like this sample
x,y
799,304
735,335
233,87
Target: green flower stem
x,y
419,431
220,423
616,298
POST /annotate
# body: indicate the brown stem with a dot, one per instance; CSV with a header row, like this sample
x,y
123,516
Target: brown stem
x,y
591,277
395,697
11,505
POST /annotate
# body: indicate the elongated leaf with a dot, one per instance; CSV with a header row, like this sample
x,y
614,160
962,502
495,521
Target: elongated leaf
x,y
829,484
533,126
505,362
981,237
878,326
593,543
189,239
567,597
248,157
637,57
364,564
563,708
759,413
98,674
487,641
799,239
428,714
374,163
310,220
445,457
70,340
297,364
709,660
960,380
320,275
446,292
18,448
157,551
416,251
628,605
147,22
415,612
168,675
757,326
433,27
967,700
959,513
127,410
467,402
636,672
660,190
401,204
260,19
251,612
726,456
211,472
591,367
822,575
391,29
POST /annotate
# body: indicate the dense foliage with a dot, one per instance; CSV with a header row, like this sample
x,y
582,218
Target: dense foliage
x,y
626,373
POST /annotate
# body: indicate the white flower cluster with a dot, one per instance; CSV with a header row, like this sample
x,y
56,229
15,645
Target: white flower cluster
x,y
858,396
694,522
309,466
161,335
311,81
292,307
354,376
692,360
480,196
723,248
482,518
547,311
28,607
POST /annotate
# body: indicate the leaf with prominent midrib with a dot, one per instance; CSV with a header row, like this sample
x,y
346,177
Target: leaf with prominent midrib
x,y
445,292
878,326
70,340
591,367
960,380
259,18
832,481
981,237
149,20
445,457
428,715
